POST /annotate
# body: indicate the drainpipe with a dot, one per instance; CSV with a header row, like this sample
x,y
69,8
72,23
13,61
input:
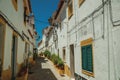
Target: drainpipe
x,y
75,19
108,45
103,19
113,56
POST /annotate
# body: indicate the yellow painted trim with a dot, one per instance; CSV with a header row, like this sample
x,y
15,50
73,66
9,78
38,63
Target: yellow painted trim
x,y
2,21
6,74
18,67
15,4
84,43
80,2
70,14
67,70
31,60
88,73
15,34
26,4
24,77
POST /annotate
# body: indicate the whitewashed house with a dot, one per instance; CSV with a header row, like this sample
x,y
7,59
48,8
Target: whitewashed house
x,y
16,36
60,24
46,41
88,38
61,30
41,44
93,39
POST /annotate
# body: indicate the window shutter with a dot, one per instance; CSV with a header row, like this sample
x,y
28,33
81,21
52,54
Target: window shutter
x,y
89,58
84,58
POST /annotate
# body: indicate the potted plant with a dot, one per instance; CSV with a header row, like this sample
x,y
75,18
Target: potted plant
x,y
60,66
47,54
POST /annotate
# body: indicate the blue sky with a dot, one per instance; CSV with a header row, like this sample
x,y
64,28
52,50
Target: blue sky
x,y
42,10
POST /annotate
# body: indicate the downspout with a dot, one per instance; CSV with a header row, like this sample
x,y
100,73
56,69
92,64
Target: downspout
x,y
114,65
103,19
75,19
108,45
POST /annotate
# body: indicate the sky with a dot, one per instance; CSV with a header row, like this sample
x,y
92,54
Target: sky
x,y
42,10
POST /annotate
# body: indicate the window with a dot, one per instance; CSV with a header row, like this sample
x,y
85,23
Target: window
x,y
26,47
70,9
15,4
64,54
27,11
25,15
80,2
58,52
87,57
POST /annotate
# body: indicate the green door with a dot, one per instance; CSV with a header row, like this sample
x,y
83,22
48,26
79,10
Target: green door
x,y
14,52
1,46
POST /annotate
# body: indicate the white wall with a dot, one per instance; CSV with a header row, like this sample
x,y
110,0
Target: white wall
x,y
7,48
17,19
116,51
105,50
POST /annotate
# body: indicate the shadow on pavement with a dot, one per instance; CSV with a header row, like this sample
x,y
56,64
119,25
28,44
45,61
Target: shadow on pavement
x,y
37,73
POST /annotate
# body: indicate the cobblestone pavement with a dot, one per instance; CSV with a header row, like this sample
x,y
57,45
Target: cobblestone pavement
x,y
44,70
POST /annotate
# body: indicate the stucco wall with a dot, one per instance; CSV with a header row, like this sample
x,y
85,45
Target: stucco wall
x,y
7,48
20,51
116,50
17,19
105,40
8,9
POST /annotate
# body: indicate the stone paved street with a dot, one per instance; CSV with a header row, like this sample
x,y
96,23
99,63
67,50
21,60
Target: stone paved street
x,y
44,70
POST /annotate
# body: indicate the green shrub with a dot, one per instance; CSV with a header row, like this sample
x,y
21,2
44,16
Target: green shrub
x,y
47,54
54,58
60,64
57,61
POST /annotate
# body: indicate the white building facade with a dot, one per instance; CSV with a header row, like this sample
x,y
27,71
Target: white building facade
x,y
93,29
88,38
16,36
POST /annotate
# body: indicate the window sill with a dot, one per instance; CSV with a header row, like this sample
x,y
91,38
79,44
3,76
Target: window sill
x,y
88,73
70,16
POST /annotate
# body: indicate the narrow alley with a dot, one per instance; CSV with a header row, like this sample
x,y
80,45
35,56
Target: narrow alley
x,y
44,70
59,39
